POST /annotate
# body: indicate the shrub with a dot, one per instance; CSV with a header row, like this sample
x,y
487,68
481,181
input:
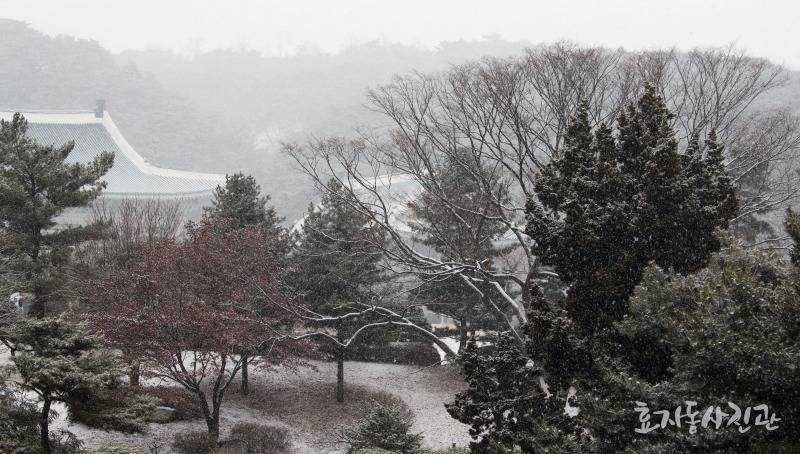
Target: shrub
x,y
19,423
186,406
451,451
121,409
64,442
409,353
261,439
389,400
230,447
386,425
192,442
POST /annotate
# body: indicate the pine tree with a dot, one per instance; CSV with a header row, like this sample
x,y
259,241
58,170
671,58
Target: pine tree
x,y
610,205
19,421
336,263
240,204
452,219
36,185
58,360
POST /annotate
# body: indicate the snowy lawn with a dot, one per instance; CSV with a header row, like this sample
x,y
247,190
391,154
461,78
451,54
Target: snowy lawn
x,y
304,402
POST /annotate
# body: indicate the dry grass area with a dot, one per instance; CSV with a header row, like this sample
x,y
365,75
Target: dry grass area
x,y
303,401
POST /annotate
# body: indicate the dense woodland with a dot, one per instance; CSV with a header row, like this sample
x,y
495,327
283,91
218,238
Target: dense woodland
x,y
611,234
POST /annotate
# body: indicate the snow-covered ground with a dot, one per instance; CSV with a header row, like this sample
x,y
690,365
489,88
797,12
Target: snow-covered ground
x,y
303,401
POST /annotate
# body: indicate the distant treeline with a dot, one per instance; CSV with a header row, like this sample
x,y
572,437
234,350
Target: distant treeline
x,y
229,110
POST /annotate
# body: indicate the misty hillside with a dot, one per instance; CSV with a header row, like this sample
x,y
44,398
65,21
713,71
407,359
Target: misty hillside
x,y
280,98
40,72
228,111
224,111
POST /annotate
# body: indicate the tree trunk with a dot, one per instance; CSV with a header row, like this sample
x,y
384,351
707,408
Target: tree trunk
x,y
44,426
211,416
213,431
463,334
245,389
213,423
245,380
134,373
340,376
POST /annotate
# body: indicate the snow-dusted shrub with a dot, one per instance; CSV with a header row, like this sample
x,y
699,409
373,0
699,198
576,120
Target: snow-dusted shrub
x,y
192,442
386,425
64,442
186,406
261,438
410,353
121,409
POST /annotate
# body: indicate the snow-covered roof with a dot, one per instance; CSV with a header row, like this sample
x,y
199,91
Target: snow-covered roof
x,y
131,175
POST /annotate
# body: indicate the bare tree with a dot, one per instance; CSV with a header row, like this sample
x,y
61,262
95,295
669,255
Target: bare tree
x,y
505,118
127,225
130,223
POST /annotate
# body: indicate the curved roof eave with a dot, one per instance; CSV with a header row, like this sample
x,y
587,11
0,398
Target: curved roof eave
x,y
145,166
132,175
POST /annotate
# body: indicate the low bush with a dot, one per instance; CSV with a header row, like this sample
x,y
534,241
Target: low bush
x,y
230,447
186,405
386,425
451,451
19,423
64,442
192,442
389,400
122,409
409,353
435,451
261,439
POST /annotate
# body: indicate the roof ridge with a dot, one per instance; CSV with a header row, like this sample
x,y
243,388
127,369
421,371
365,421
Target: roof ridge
x,y
46,111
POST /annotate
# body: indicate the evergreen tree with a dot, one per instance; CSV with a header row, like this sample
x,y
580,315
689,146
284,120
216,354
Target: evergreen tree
x,y
19,422
58,361
36,185
605,209
610,205
792,226
454,220
240,204
386,426
336,263
722,327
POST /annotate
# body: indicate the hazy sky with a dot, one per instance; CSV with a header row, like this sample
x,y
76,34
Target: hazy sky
x,y
769,28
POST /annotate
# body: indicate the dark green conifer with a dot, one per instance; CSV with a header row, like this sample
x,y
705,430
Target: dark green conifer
x,y
454,219
240,203
337,263
37,184
608,206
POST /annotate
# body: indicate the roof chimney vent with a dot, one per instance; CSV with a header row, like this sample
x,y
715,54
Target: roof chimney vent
x,y
100,107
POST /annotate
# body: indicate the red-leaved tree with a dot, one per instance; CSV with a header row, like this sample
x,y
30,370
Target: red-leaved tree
x,y
186,310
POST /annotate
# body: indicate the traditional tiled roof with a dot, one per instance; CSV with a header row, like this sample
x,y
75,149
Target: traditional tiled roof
x,y
131,174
